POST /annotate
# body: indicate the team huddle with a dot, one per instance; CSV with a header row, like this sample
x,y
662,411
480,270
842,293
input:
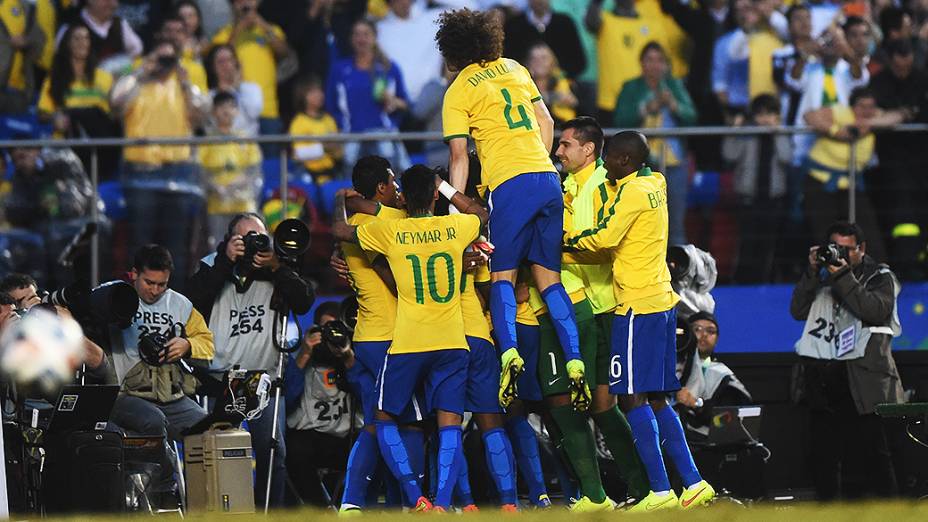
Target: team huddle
x,y
557,299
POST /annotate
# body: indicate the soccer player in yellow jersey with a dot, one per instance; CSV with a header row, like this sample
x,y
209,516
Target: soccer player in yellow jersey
x,y
372,281
428,348
633,235
494,101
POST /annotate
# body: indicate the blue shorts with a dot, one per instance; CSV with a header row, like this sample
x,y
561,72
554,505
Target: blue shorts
x,y
483,370
527,221
529,339
643,355
442,376
369,357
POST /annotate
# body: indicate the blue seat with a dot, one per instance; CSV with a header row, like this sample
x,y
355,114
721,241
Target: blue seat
x,y
327,194
705,189
113,199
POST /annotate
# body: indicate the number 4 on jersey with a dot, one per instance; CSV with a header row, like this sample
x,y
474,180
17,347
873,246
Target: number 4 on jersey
x,y
524,121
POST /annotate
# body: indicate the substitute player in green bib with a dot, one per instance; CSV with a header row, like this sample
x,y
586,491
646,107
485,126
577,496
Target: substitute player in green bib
x,y
494,101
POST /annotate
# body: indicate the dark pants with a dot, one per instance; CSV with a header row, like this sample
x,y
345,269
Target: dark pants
x,y
850,452
759,224
170,215
822,208
269,126
308,452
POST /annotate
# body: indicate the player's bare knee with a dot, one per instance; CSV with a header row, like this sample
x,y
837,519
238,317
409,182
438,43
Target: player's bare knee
x,y
504,275
555,401
628,403
488,421
544,277
658,401
602,399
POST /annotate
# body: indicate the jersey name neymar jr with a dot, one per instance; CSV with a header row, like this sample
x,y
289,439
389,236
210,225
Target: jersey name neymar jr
x,y
426,256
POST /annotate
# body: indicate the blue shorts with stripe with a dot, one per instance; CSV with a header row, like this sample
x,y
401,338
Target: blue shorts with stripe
x,y
483,371
527,221
362,376
441,375
643,355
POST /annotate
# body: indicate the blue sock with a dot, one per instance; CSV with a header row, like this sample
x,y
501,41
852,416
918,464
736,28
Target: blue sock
x,y
671,431
432,460
503,314
562,316
397,459
449,445
362,463
414,440
525,448
392,493
463,496
647,442
501,464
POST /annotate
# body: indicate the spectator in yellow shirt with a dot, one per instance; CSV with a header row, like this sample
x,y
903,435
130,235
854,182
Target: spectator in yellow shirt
x,y
163,191
195,42
260,46
232,171
320,159
75,97
174,30
553,85
21,41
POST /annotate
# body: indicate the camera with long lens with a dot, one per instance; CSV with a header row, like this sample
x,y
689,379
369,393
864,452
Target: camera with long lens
x,y
113,303
291,240
831,253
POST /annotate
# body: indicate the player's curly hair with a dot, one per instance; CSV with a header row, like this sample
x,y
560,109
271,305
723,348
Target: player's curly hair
x,y
465,37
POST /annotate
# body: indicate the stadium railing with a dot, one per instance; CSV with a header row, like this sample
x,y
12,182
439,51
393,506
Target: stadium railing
x,y
683,132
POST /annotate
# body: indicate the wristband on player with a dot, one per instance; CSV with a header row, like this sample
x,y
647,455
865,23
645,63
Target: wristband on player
x,y
447,190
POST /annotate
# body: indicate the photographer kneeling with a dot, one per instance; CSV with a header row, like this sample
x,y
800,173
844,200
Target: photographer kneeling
x,y
153,399
240,290
320,412
848,301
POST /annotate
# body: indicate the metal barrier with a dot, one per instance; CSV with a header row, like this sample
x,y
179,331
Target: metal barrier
x,y
679,132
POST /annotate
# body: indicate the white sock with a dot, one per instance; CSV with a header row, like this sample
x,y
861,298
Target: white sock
x,y
662,493
694,486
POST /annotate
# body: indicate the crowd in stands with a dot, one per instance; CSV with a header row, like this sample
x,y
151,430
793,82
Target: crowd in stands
x,y
243,68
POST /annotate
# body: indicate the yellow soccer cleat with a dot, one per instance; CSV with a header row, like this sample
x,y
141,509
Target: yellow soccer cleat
x,y
513,366
655,502
580,396
349,510
698,494
585,505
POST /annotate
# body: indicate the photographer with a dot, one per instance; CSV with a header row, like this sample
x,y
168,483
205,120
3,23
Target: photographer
x,y
320,417
147,355
240,289
848,301
22,292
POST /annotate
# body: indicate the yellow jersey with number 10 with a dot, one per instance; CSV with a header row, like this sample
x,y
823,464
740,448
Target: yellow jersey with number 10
x,y
494,104
426,256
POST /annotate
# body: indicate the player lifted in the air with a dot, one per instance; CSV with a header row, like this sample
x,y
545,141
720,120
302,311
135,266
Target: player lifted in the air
x,y
633,235
428,349
494,101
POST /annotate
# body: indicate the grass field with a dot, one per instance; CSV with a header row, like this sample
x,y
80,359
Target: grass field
x,y
719,512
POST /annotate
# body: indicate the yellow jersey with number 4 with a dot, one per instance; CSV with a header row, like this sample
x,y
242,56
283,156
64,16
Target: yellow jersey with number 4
x,y
426,256
494,104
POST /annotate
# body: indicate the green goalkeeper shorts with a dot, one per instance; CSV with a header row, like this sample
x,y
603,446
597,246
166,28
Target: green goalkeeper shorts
x,y
552,365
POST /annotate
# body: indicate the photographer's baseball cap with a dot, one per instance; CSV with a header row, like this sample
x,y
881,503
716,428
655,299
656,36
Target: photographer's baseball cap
x,y
704,316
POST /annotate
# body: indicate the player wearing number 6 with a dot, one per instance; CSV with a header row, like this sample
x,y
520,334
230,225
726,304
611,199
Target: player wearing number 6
x,y
494,101
632,234
425,254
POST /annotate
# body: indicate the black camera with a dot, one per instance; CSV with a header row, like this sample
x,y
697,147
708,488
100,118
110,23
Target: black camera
x,y
167,62
153,347
335,335
255,242
831,253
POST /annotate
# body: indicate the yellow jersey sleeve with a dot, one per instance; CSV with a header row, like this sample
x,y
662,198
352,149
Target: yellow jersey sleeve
x,y
455,119
375,236
199,336
609,232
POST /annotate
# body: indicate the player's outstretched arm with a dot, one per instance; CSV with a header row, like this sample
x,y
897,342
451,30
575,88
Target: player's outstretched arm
x,y
358,204
459,163
545,124
463,203
340,227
